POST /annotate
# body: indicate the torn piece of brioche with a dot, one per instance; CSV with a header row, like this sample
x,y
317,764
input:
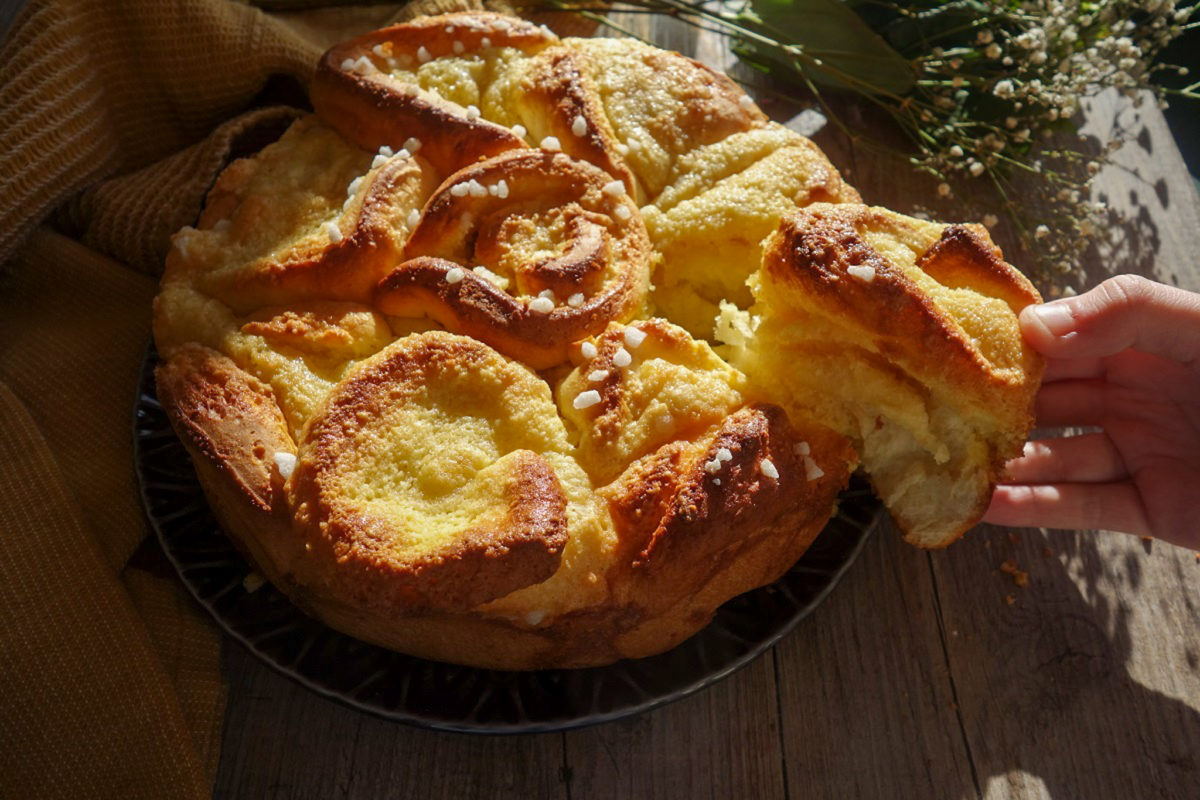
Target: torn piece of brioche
x,y
903,335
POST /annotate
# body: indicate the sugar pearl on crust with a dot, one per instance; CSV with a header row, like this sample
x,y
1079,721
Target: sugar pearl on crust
x,y
586,399
551,143
519,130
485,42
454,275
348,65
458,47
534,617
386,151
579,126
811,470
587,350
767,467
472,112
712,467
614,189
541,305
333,231
746,102
285,463
622,358
414,217
412,144
423,54
801,448
575,300
634,337
597,375
865,274
723,454
622,213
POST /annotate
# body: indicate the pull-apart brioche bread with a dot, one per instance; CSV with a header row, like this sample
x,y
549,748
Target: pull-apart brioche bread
x,y
441,354
901,334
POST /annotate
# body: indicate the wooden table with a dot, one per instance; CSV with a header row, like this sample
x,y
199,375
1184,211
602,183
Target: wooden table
x,y
924,675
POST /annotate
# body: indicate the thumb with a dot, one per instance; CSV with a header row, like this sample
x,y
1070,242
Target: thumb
x,y
1127,311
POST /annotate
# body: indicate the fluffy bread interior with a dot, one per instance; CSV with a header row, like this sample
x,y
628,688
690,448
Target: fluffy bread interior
x,y
901,334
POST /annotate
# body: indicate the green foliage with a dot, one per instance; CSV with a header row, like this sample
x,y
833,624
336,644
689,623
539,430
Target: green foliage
x,y
823,40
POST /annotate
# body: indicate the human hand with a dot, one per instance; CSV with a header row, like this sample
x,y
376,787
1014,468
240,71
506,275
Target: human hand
x,y
1124,357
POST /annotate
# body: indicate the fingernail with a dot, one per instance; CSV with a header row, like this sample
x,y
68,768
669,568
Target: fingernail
x,y
1054,317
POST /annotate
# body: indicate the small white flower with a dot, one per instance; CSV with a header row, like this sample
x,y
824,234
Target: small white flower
x,y
1003,89
943,190
1041,232
990,220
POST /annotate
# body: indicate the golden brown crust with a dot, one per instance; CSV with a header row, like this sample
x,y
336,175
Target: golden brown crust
x,y
928,313
684,512
449,502
365,550
552,228
227,418
814,247
559,100
354,91
310,217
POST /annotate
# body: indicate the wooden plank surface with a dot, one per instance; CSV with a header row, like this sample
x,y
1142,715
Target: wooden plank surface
x,y
916,678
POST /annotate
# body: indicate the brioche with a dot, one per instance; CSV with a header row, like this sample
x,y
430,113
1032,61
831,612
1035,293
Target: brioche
x,y
485,361
901,334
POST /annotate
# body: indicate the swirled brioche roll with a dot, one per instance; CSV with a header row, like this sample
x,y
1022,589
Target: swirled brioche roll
x,y
529,252
300,352
309,217
661,105
447,85
719,203
903,335
701,521
648,384
465,507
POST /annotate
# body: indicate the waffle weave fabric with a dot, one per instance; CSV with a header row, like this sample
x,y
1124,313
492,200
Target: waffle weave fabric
x,y
115,118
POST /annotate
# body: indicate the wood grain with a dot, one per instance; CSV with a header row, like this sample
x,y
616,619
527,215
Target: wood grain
x,y
1088,684
284,741
866,697
721,743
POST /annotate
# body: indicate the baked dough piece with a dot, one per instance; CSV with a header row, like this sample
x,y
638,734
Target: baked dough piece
x,y
310,216
529,251
411,350
903,335
719,203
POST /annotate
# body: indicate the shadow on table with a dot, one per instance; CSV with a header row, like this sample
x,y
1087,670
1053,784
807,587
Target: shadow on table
x,y
1058,677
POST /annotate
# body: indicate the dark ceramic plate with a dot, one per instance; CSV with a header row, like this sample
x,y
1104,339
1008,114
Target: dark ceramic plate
x,y
443,696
